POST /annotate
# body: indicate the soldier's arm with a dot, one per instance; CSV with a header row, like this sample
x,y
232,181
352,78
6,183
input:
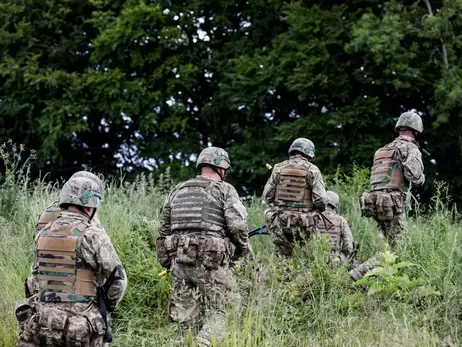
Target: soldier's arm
x,y
269,192
318,190
96,250
165,226
346,238
413,166
236,221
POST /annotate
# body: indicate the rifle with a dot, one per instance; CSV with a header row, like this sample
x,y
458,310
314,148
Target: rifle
x,y
104,306
259,231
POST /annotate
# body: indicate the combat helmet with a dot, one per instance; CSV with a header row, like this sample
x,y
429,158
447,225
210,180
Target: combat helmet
x,y
92,176
214,156
333,199
80,191
303,146
410,120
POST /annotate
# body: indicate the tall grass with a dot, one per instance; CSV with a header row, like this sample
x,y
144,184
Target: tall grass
x,y
299,302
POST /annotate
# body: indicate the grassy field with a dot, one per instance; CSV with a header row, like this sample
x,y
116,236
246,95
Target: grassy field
x,y
292,303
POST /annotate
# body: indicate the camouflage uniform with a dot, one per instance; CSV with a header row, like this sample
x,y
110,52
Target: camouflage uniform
x,y
338,230
202,229
296,193
395,166
50,215
74,257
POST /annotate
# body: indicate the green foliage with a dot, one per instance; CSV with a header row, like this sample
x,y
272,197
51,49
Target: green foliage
x,y
389,279
100,83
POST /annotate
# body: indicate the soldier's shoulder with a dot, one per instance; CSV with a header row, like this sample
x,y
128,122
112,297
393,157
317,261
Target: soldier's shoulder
x,y
314,169
227,188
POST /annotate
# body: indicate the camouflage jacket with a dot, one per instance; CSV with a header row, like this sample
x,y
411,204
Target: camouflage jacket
x,y
346,237
235,215
410,158
95,249
318,189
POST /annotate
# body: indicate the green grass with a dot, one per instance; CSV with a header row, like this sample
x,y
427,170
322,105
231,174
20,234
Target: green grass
x,y
292,303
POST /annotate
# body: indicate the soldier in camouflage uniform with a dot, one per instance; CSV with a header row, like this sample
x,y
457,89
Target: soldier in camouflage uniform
x,y
50,215
338,230
395,167
296,193
203,229
74,259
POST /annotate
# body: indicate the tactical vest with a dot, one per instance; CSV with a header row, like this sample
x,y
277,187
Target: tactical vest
x,y
293,188
333,230
47,216
386,172
62,277
192,209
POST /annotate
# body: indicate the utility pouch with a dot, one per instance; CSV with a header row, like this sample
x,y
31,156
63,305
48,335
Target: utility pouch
x,y
398,204
384,207
367,205
78,332
52,325
187,250
162,253
215,253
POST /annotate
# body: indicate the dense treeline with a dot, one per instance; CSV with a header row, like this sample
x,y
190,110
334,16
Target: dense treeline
x,y
100,83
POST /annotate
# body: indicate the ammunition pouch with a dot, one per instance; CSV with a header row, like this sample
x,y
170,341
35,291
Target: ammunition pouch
x,y
164,250
61,328
367,205
216,253
188,250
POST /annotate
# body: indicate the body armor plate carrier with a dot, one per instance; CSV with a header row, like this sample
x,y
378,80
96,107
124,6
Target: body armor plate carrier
x,y
332,229
192,209
62,277
47,216
293,188
386,172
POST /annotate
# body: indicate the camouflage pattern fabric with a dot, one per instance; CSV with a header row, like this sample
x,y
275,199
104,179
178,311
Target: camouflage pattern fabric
x,y
52,214
358,273
201,299
387,206
235,214
293,224
95,249
204,286
340,235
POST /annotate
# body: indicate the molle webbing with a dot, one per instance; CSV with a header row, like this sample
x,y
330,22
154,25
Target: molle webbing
x,y
193,209
293,189
331,229
386,172
61,276
47,216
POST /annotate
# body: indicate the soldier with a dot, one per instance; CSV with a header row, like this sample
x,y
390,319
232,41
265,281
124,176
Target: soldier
x,y
296,193
202,229
336,227
75,260
50,215
396,165
51,212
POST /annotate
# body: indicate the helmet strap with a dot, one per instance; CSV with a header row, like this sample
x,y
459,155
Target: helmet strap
x,y
215,169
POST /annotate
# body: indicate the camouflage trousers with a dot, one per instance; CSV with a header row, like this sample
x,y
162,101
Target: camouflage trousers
x,y
201,298
392,230
63,324
358,273
387,209
289,227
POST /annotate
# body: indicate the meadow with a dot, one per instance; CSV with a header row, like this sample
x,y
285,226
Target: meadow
x,y
414,300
